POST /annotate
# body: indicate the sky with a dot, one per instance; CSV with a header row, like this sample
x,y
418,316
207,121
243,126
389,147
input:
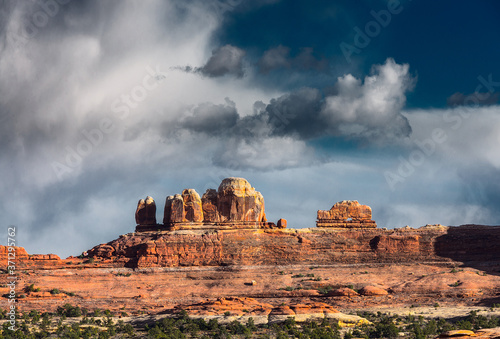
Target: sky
x,y
391,103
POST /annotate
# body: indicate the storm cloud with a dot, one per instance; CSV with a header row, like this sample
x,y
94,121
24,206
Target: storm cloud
x,y
225,60
366,110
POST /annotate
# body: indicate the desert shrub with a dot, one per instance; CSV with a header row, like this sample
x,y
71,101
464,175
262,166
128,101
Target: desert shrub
x,y
325,289
31,288
69,311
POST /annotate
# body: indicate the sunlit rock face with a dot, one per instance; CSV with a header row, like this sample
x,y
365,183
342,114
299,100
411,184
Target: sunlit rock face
x,y
346,214
239,201
235,204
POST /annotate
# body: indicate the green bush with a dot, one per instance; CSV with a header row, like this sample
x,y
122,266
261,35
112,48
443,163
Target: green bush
x,y
325,289
69,311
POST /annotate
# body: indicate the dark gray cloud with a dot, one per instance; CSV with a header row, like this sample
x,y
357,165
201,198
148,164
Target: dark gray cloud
x,y
225,60
280,58
296,115
208,117
473,99
274,58
368,110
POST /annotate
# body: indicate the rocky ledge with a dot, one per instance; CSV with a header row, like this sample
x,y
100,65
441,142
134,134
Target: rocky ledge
x,y
347,214
229,309
312,246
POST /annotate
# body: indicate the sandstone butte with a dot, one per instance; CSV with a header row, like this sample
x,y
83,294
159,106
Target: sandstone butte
x,y
222,245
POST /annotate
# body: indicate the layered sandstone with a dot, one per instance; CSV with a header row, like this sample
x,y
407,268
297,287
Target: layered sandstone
x,y
19,258
313,246
155,271
229,309
346,214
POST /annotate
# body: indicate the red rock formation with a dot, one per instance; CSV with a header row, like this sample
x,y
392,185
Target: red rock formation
x,y
209,203
372,291
19,253
146,212
178,213
346,214
192,206
22,259
342,292
236,204
239,201
314,246
140,212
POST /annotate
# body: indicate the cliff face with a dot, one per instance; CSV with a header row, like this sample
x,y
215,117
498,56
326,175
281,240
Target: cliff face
x,y
315,246
22,259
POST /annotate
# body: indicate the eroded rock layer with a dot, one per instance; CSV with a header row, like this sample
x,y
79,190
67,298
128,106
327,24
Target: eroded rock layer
x,y
313,246
346,214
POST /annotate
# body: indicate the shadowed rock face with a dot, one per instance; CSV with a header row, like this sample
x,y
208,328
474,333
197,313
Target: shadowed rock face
x,y
146,212
209,203
174,209
346,214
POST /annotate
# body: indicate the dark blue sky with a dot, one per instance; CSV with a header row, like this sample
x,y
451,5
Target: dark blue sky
x,y
448,44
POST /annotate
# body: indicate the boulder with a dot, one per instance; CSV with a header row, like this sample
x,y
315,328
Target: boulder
x,y
282,223
372,291
342,292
